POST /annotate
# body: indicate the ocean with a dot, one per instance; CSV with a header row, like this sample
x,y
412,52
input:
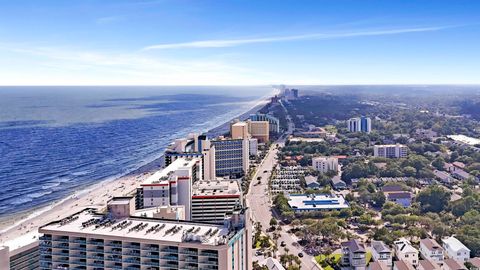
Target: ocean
x,y
57,140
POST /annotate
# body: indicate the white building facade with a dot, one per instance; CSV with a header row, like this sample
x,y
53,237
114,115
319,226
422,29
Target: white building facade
x,y
325,164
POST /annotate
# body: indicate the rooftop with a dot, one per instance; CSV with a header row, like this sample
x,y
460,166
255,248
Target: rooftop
x,y
402,265
429,265
430,244
380,246
454,243
399,195
404,246
378,266
354,246
454,265
464,139
216,188
162,175
475,262
317,202
92,224
392,188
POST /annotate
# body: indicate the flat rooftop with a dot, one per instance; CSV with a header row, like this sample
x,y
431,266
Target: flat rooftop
x,y
95,225
162,175
216,188
317,202
464,139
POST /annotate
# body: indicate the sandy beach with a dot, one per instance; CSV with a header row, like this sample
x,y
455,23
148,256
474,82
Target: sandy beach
x,y
94,196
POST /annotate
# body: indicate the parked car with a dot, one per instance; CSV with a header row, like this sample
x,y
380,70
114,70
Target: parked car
x,y
283,244
300,255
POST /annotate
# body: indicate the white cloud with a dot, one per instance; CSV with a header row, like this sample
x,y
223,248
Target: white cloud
x,y
108,19
52,65
218,43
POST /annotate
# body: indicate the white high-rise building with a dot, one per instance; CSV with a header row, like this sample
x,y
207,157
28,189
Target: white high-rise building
x,y
390,151
360,124
212,200
170,186
325,164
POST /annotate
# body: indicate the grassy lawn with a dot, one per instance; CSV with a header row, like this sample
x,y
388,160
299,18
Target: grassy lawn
x,y
335,257
368,257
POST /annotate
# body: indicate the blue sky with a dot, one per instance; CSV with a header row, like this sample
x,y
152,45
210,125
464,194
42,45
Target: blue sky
x,y
162,42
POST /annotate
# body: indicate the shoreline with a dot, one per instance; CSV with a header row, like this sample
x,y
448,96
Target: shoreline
x,y
96,195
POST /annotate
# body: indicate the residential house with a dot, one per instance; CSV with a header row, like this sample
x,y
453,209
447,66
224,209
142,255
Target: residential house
x,y
428,265
406,252
431,250
402,265
452,264
337,183
381,253
455,249
402,198
459,164
312,182
354,254
456,170
444,177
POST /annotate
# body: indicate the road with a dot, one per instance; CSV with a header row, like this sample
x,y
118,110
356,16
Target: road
x,y
259,202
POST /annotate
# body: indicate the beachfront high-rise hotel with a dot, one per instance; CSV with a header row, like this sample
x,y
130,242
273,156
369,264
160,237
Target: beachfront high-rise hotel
x,y
360,124
116,240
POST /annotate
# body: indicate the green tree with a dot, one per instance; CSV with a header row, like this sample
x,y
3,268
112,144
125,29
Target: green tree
x,y
433,199
438,163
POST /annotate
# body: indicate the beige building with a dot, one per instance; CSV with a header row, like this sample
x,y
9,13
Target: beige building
x,y
259,130
239,130
94,240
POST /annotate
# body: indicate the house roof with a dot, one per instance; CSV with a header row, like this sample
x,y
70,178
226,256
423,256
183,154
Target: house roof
x,y
459,164
378,266
310,179
399,195
392,188
403,245
454,264
336,180
402,265
454,244
428,265
354,246
273,264
431,244
380,246
475,261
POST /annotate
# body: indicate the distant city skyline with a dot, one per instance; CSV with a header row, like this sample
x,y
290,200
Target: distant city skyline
x,y
162,42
